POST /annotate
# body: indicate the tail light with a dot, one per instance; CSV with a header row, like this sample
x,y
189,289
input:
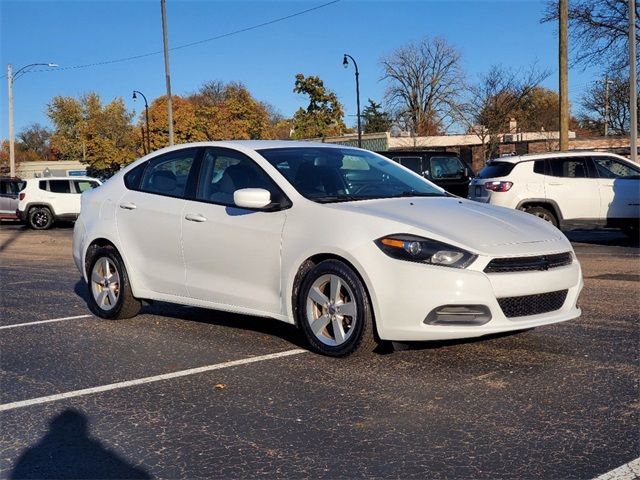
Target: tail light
x,y
22,195
498,186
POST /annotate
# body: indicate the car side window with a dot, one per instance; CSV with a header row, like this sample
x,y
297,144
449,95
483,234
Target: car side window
x,y
568,167
82,185
412,163
223,171
42,184
60,186
539,167
168,174
446,167
608,167
3,187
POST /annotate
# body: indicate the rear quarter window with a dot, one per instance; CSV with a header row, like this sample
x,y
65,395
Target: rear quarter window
x,y
496,169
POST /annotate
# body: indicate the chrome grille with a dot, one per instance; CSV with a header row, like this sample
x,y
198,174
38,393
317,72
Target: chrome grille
x,y
526,264
527,305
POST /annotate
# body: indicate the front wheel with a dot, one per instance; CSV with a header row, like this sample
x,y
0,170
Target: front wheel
x,y
110,293
334,312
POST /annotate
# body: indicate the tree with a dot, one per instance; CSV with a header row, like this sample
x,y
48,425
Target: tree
x,y
423,81
598,30
100,135
37,139
496,98
323,116
375,120
229,111
538,111
187,127
596,103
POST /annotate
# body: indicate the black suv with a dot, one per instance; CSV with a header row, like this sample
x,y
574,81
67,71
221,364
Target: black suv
x,y
445,169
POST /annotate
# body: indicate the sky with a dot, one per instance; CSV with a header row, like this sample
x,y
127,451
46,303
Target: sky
x,y
266,59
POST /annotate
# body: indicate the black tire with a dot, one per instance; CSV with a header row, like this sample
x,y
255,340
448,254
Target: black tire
x,y
125,305
40,218
358,329
544,214
632,232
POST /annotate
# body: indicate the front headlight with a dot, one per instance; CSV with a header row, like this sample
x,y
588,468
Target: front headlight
x,y
424,250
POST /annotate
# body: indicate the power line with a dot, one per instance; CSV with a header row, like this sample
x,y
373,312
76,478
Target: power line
x,y
192,44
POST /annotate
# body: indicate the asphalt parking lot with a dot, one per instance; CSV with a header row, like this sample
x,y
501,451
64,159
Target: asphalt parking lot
x,y
561,401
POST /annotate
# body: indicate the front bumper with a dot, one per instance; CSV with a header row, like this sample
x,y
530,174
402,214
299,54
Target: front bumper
x,y
406,292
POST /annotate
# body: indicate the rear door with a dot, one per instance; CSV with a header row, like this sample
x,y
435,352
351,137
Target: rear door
x,y
62,197
149,220
619,184
571,184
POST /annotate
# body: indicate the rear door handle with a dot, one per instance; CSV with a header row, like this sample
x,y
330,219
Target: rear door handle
x,y
556,184
128,206
195,217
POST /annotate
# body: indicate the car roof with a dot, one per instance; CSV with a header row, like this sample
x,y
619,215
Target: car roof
x,y
61,178
528,157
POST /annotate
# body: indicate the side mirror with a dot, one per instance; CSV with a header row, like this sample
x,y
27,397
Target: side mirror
x,y
251,198
466,172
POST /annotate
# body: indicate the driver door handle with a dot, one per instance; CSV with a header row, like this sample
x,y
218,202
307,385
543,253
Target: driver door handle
x,y
195,217
128,206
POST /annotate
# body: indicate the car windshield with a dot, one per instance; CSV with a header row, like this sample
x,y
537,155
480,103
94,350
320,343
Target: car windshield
x,y
328,174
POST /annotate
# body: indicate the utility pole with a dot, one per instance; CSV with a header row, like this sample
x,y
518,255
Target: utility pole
x,y
12,145
564,75
633,83
606,105
165,37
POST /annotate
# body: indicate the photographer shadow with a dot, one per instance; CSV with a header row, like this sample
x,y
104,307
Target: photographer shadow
x,y
68,451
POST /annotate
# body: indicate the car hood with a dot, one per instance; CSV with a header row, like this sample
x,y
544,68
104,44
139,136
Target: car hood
x,y
481,228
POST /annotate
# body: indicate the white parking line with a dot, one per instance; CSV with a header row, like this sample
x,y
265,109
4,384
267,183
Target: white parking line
x,y
16,325
142,381
628,471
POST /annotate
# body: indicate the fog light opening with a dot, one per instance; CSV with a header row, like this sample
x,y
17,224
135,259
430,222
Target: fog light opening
x,y
459,315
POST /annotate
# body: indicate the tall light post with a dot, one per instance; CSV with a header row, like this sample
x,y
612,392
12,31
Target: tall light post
x,y
345,63
12,77
167,73
146,112
633,83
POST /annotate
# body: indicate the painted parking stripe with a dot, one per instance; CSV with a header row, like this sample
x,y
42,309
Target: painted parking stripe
x,y
142,381
628,471
16,325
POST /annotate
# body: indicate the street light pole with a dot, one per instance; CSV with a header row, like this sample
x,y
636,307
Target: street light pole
x,y
563,6
11,77
633,83
146,112
165,37
345,63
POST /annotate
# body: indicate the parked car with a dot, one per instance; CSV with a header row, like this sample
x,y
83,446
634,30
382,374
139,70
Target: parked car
x,y
46,200
569,190
346,244
445,169
9,189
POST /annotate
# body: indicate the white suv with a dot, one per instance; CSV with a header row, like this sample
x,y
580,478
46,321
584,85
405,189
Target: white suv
x,y
570,190
45,200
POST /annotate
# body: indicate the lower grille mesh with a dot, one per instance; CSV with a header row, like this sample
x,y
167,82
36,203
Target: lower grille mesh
x,y
532,304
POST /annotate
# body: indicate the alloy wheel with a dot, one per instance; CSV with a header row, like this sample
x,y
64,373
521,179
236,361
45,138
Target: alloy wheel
x,y
105,283
331,310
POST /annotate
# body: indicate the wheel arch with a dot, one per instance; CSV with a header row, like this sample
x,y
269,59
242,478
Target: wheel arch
x,y
304,266
544,203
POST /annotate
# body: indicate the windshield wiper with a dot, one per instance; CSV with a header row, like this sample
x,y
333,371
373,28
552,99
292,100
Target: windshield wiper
x,y
413,193
333,198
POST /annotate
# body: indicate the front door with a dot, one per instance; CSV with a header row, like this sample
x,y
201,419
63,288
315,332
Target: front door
x,y
232,255
619,188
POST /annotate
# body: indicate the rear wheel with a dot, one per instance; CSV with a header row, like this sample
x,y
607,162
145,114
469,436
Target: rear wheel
x,y
333,310
40,218
110,293
544,214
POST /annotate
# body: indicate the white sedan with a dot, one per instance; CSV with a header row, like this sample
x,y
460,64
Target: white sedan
x,y
349,246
